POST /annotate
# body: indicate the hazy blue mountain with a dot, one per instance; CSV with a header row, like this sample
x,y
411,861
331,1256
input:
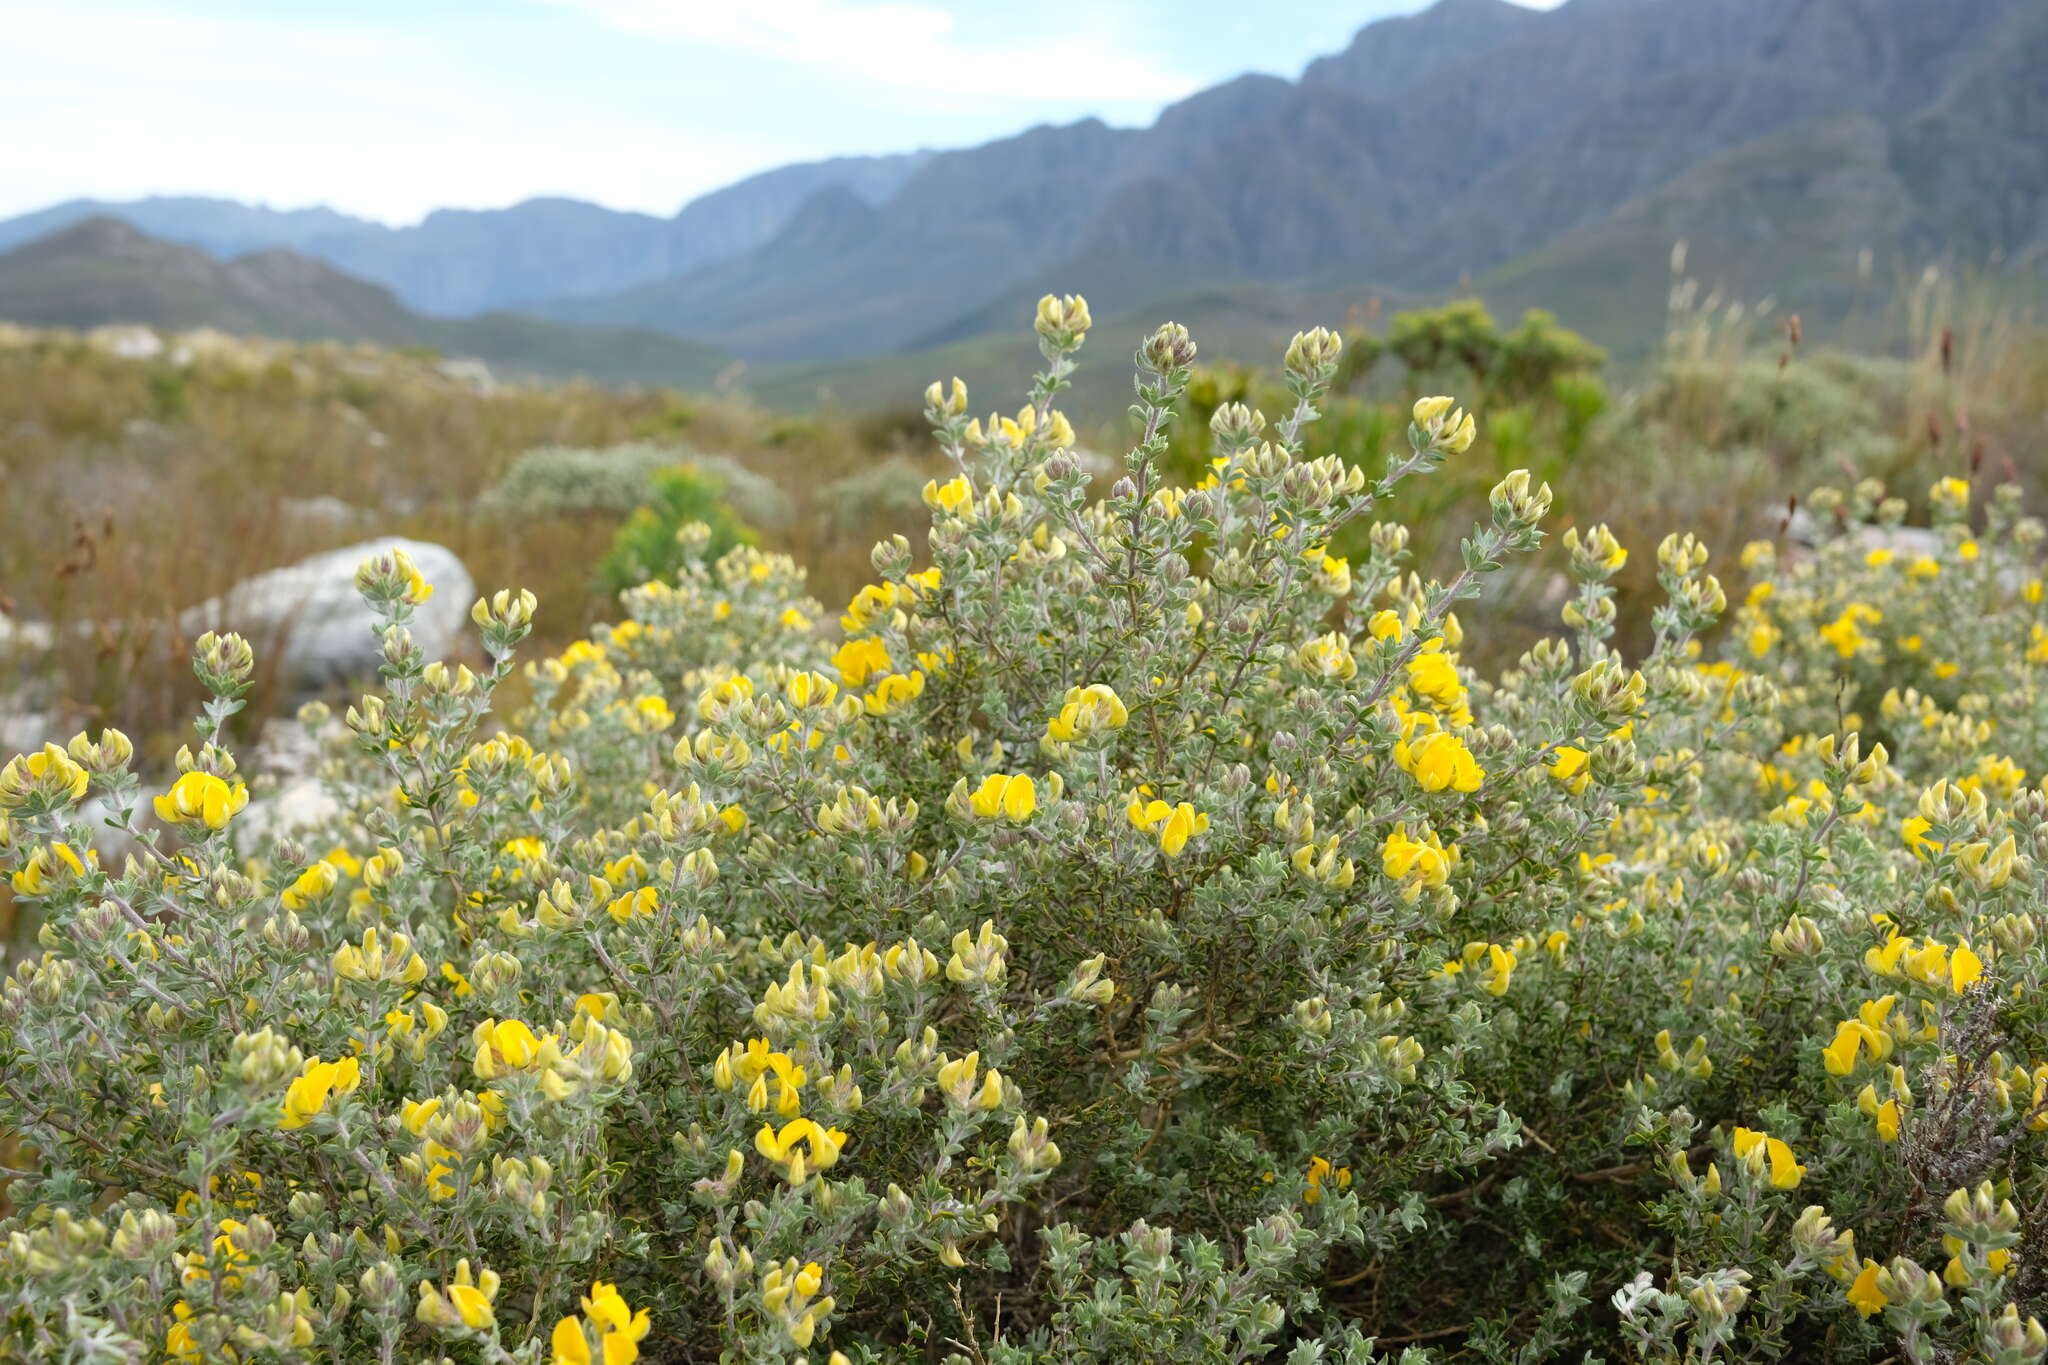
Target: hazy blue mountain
x,y
219,226
103,270
462,261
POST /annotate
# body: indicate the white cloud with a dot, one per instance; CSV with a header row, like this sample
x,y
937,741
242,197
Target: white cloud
x,y
139,99
907,47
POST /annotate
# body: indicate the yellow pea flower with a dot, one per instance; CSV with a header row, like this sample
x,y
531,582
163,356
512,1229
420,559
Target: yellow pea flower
x,y
508,1045
858,660
1766,1156
307,1095
1440,761
1568,765
201,798
1013,797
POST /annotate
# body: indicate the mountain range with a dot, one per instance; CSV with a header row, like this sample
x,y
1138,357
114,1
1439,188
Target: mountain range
x,y
457,262
1540,157
101,269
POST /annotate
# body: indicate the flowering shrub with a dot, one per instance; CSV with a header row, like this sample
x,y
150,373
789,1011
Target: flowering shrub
x,y
1131,935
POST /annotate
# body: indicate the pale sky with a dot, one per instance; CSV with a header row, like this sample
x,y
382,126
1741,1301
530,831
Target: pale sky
x,y
389,108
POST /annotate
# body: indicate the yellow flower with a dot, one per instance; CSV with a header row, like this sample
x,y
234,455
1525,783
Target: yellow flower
x,y
1319,1171
1500,967
1086,711
893,691
650,715
1852,1036
1964,968
786,1147
618,1331
858,660
1013,797
950,496
50,773
307,1096
1433,675
202,798
569,1344
507,1046
1174,825
1765,1155
464,1302
1845,631
310,885
50,866
1440,761
1864,1294
1569,767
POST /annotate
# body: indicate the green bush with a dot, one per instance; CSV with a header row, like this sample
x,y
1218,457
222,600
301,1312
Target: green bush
x,y
684,519
1137,936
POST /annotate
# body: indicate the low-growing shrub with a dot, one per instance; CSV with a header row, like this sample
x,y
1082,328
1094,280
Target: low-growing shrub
x,y
554,481
684,519
1130,936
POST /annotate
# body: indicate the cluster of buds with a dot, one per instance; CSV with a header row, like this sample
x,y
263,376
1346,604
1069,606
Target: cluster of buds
x,y
505,618
1595,554
854,810
416,1033
965,1086
790,1294
1606,695
1322,865
1800,937
1032,1146
1312,356
1717,1297
2012,1340
796,1003
380,957
223,663
1088,984
45,781
1979,1231
978,957
1168,351
391,578
1441,427
1517,508
1062,320
523,1182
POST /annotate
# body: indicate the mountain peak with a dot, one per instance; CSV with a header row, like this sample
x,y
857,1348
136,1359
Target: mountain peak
x,y
1391,55
102,232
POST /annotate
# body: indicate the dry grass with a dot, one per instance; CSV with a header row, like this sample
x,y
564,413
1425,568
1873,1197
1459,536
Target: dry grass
x,y
136,489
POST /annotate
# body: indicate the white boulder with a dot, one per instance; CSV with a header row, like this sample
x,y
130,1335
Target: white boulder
x,y
307,621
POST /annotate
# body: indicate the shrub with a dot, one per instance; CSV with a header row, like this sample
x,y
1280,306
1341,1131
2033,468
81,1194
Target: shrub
x,y
551,481
1134,936
884,493
684,519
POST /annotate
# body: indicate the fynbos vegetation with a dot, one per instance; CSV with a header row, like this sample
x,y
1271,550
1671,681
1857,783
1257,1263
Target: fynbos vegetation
x,y
1131,931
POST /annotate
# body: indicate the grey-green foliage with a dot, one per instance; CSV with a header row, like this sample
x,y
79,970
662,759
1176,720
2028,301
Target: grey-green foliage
x,y
886,495
556,480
